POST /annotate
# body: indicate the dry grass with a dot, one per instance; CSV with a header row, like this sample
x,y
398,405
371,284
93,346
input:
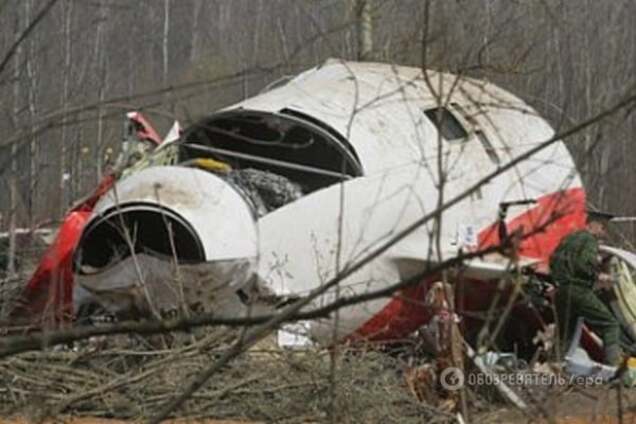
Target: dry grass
x,y
129,378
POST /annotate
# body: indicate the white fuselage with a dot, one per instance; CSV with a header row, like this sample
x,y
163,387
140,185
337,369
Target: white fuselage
x,y
379,109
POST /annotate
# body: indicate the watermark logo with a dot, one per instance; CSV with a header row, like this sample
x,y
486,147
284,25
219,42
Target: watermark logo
x,y
452,378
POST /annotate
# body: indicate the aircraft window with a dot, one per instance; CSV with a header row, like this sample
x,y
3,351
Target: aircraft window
x,y
324,126
446,123
289,145
490,150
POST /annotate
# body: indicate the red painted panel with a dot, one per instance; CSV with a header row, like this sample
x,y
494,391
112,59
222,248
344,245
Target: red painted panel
x,y
48,296
556,214
145,131
47,299
402,315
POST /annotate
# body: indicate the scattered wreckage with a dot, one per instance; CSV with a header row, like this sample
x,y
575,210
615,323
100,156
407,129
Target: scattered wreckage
x,y
275,195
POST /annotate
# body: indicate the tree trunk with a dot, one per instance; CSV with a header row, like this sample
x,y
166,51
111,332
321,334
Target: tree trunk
x,y
166,33
13,176
64,175
364,29
32,78
194,43
98,57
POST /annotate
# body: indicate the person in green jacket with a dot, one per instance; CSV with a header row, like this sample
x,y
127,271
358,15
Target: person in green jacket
x,y
576,269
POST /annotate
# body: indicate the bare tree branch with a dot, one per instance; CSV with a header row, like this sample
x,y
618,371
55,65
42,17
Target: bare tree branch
x,y
27,31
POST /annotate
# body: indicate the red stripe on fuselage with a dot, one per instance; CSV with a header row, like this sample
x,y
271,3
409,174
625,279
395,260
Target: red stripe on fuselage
x,y
543,226
553,217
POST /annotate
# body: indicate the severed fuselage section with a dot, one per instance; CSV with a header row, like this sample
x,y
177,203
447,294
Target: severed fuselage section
x,y
178,233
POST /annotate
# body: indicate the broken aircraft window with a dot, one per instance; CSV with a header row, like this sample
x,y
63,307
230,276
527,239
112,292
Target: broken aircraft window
x,y
287,145
446,123
310,119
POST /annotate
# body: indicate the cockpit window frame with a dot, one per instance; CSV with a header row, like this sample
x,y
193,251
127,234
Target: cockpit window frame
x,y
287,121
321,125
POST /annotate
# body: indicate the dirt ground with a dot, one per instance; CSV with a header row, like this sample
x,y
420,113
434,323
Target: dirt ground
x,y
580,406
87,420
598,405
502,416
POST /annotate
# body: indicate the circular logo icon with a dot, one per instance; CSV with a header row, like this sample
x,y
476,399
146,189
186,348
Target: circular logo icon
x,y
451,378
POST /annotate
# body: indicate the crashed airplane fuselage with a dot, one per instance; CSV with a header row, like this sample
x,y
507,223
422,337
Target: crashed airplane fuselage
x,y
286,189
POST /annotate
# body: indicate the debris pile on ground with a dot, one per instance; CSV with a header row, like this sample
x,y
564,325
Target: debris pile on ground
x,y
131,377
128,377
